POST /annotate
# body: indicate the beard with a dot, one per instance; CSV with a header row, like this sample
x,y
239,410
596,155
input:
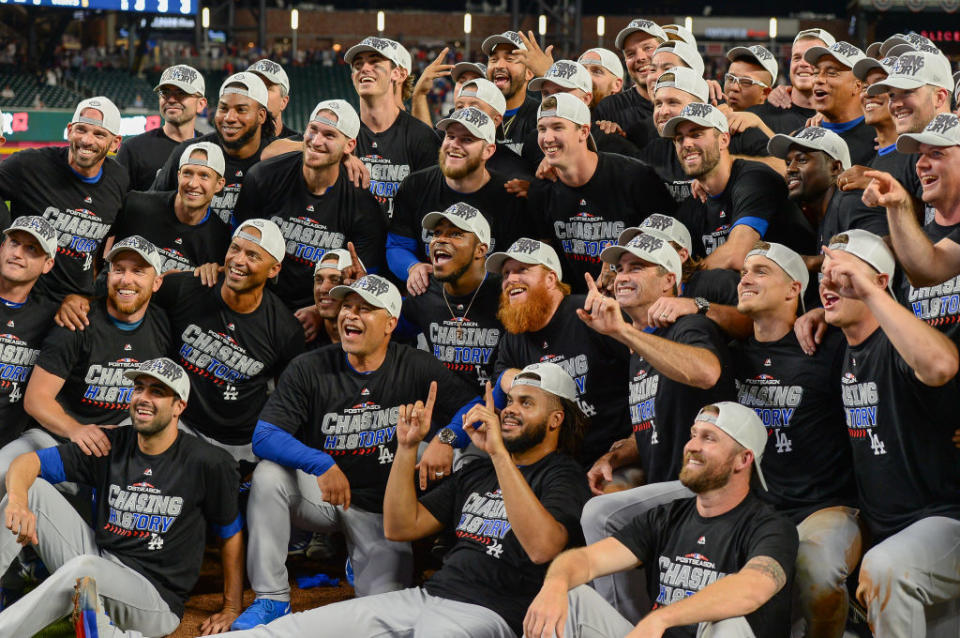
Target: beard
x,y
529,437
472,164
131,306
241,141
160,420
709,477
711,157
527,316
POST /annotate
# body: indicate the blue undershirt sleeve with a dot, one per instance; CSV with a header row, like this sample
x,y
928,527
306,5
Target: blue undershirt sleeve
x,y
278,445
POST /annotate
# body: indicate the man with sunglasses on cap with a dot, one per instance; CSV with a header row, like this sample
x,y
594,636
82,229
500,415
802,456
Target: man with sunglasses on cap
x,y
510,75
460,175
78,189
244,128
596,195
311,198
899,391
807,462
180,93
391,142
232,338
722,559
328,436
179,223
278,89
637,42
748,200
160,492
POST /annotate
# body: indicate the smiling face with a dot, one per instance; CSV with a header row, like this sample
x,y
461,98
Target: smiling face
x,y
912,109
507,71
809,174
88,143
528,416
875,107
462,153
710,458
196,185
131,281
638,51
764,287
374,75
453,251
938,168
247,266
153,406
364,328
238,120
561,141
22,258
839,311
525,296
834,87
177,106
802,73
668,102
324,145
325,280
639,283
698,148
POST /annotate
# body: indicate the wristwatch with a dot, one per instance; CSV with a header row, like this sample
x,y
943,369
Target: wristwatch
x,y
702,305
446,435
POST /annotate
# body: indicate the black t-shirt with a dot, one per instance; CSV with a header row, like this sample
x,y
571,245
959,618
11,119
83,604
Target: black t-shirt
x,y
626,108
755,195
514,129
662,410
807,462
785,121
903,166
861,141
906,465
40,182
288,133
183,247
606,143
717,285
92,362
472,351
597,363
509,164
311,224
407,146
143,156
938,305
153,510
582,221
235,169
427,191
23,328
229,356
847,211
684,552
352,416
488,566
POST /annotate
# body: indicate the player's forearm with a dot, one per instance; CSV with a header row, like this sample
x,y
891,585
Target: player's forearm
x,y
231,555
729,597
929,353
570,569
732,321
420,108
540,534
915,252
725,256
23,471
400,496
679,362
50,414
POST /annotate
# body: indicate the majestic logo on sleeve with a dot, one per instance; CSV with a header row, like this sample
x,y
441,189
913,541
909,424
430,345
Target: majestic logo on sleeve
x,y
81,232
361,429
684,576
217,357
142,510
307,239
860,407
483,520
107,388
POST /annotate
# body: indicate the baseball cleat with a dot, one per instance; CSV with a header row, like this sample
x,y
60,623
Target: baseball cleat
x,y
85,608
263,611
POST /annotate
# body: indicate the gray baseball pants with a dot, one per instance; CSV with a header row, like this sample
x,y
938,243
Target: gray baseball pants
x,y
280,495
238,452
68,548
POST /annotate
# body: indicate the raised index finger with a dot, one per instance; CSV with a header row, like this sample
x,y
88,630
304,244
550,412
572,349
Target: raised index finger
x,y
431,398
488,397
591,283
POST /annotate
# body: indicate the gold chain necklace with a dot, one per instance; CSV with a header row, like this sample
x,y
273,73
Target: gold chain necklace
x,y
453,315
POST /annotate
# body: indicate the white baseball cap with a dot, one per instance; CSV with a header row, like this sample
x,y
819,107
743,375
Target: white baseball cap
x,y
345,118
566,106
743,425
844,53
915,69
686,80
814,138
686,52
463,216
648,248
662,226
863,66
528,251
109,114
166,372
549,377
464,67
868,247
758,55
272,71
678,32
214,158
510,38
814,34
486,91
41,229
390,49
789,261
647,26
141,246
375,290
605,58
699,113
270,239
898,40
565,73
250,85
335,259
184,77
943,130
873,50
474,120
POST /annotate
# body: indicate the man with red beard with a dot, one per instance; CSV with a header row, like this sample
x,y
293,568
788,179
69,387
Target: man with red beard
x,y
77,384
539,315
461,175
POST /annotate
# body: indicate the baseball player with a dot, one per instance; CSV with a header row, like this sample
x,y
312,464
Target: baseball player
x,y
159,490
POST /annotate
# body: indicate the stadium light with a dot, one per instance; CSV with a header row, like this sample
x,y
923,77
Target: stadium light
x,y
601,29
205,17
467,23
688,23
294,19
773,28
381,22
542,27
